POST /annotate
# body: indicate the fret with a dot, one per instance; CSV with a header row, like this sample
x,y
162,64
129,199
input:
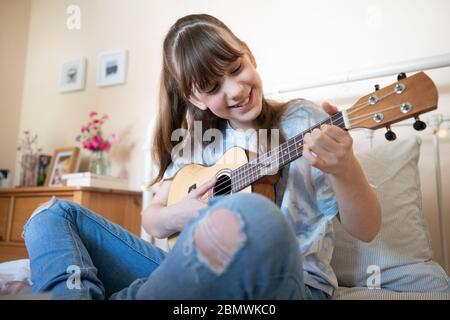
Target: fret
x,y
272,160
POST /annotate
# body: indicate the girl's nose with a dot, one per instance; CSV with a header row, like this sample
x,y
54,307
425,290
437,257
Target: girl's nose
x,y
234,90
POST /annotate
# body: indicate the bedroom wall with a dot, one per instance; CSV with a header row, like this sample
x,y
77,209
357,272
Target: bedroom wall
x,y
14,21
293,41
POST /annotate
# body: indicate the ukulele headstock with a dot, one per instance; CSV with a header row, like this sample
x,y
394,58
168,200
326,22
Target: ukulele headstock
x,y
407,98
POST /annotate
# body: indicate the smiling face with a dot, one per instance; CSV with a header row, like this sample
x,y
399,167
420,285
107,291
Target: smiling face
x,y
236,96
223,79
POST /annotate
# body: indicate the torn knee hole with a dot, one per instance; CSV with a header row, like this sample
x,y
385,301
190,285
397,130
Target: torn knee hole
x,y
217,238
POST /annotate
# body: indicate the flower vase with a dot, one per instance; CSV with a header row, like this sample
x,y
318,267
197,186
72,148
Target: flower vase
x,y
99,164
28,176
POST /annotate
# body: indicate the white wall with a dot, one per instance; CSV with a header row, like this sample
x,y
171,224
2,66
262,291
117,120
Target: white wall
x,y
14,21
293,41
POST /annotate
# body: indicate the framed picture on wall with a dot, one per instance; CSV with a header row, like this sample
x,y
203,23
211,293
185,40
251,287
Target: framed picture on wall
x,y
111,68
64,160
72,75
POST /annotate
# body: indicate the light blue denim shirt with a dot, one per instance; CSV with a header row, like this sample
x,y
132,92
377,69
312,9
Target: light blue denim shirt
x,y
303,193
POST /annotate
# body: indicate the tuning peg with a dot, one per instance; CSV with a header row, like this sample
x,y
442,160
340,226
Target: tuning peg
x,y
419,125
390,135
401,76
377,87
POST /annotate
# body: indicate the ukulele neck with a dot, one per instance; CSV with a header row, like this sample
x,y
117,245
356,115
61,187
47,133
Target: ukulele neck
x,y
273,160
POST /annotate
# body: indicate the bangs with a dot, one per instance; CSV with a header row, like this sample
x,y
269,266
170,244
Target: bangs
x,y
204,56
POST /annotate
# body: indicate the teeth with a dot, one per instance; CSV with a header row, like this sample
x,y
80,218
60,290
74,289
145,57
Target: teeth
x,y
245,101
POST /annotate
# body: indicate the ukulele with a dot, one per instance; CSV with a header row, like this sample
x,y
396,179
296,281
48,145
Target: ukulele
x,y
407,98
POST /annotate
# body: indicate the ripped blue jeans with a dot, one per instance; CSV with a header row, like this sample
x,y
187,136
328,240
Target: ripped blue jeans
x,y
76,254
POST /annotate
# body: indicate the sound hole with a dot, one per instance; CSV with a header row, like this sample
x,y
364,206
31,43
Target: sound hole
x,y
223,185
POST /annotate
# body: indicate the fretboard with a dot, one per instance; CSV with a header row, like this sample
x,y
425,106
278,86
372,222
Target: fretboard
x,y
272,161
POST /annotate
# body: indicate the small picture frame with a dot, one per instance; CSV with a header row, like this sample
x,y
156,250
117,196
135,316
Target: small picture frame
x,y
72,75
44,161
64,160
111,68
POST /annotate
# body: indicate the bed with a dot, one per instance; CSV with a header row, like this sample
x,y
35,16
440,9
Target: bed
x,y
397,264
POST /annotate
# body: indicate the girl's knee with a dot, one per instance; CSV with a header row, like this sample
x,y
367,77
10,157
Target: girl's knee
x,y
39,210
218,236
37,218
236,220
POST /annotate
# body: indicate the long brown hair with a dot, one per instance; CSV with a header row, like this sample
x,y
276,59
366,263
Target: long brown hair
x,y
195,54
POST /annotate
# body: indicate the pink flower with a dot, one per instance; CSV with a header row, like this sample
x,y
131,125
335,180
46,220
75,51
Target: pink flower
x,y
91,136
95,142
106,145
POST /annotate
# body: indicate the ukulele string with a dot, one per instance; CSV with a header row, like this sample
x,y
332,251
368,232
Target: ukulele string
x,y
365,117
242,176
362,105
254,166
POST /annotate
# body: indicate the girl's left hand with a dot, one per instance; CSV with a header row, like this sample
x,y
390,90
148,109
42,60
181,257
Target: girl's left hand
x,y
329,148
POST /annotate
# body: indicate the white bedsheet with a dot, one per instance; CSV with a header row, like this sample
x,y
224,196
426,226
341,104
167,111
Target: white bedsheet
x,y
16,270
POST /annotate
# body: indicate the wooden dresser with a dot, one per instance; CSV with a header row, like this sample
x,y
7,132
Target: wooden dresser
x,y
16,206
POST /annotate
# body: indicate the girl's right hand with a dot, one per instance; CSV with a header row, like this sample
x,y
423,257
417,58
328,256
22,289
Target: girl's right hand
x,y
191,205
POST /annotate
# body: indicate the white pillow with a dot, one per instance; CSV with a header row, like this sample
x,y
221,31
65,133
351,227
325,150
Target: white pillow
x,y
402,249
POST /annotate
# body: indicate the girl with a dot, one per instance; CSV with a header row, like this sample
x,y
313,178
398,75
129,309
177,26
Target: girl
x,y
239,246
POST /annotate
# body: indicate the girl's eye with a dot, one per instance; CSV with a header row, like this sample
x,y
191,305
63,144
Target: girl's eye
x,y
237,69
213,89
216,86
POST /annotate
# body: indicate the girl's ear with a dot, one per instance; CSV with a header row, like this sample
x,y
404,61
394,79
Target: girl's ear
x,y
250,54
196,102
